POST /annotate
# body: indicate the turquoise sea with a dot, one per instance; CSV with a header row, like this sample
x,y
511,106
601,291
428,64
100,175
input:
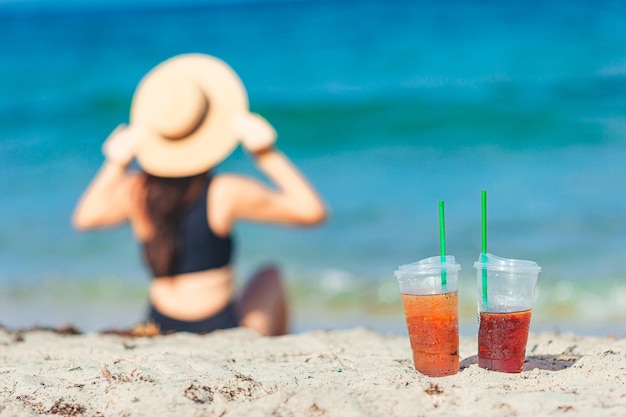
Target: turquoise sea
x,y
387,106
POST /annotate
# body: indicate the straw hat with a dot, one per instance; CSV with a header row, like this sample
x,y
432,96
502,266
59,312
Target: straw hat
x,y
184,109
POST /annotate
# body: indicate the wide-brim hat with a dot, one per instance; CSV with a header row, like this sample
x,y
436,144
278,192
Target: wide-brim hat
x,y
183,109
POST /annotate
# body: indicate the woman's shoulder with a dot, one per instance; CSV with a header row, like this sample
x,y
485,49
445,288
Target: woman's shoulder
x,y
229,183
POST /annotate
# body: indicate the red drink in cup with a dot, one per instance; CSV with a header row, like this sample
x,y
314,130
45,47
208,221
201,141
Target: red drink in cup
x,y
506,291
502,341
430,300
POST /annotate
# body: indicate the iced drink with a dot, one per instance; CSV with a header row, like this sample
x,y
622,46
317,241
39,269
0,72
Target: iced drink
x,y
502,341
506,291
430,299
433,325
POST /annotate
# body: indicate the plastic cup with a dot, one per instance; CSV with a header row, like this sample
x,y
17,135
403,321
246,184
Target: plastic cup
x,y
504,311
432,313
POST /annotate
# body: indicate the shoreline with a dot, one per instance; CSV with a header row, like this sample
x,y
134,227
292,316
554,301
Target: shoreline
x,y
101,318
93,307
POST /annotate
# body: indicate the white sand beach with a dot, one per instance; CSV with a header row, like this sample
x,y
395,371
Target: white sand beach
x,y
344,373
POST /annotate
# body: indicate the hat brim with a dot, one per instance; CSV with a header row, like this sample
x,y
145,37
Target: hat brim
x,y
214,139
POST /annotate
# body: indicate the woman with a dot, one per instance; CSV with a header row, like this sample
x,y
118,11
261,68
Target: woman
x,y
187,115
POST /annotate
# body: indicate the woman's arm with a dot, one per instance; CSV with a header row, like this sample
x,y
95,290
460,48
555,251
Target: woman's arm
x,y
107,199
297,201
293,201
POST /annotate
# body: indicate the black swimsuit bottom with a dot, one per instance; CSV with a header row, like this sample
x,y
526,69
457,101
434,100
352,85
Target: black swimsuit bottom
x,y
227,318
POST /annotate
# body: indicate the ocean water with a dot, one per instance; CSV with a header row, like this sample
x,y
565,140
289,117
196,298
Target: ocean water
x,y
387,106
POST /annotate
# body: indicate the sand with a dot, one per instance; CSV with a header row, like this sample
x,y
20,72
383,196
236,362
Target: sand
x,y
345,373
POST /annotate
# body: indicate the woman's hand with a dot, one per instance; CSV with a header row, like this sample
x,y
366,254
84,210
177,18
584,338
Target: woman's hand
x,y
256,134
121,145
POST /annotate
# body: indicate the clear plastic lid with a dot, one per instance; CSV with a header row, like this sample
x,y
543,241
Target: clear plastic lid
x,y
429,276
496,263
429,265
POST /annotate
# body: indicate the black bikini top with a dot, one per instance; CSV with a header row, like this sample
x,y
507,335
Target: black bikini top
x,y
200,248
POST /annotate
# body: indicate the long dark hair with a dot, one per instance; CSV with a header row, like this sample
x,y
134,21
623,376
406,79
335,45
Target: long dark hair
x,y
166,202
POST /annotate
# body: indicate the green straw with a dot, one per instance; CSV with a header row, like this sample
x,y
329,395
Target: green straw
x,y
484,244
442,241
